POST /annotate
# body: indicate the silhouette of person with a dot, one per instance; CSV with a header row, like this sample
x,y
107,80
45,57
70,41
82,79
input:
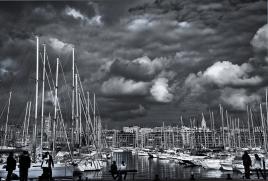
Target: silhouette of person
x,y
25,163
247,164
47,165
156,177
257,166
11,165
122,169
114,170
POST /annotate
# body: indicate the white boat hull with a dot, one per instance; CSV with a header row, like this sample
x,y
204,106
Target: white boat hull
x,y
59,170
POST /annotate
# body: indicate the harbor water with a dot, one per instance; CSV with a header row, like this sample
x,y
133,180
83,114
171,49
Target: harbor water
x,y
147,168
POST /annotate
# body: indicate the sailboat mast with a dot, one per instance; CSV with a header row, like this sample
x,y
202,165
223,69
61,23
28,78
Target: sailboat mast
x,y
94,117
263,129
253,130
249,134
80,119
24,123
228,128
28,119
266,106
76,109
8,108
73,117
36,98
43,96
55,107
222,122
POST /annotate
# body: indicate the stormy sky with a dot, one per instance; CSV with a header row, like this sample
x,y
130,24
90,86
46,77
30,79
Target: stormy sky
x,y
147,61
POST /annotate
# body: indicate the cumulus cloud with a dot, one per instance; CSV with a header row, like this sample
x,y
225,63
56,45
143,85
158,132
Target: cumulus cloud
x,y
260,40
223,74
60,46
96,20
238,98
119,86
139,24
161,91
142,68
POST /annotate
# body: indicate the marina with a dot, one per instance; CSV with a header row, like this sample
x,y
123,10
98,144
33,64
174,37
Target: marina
x,y
133,90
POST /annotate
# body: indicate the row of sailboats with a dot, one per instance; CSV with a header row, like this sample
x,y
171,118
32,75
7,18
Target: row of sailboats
x,y
73,158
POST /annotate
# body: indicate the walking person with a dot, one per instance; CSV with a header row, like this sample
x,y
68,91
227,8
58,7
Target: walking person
x,y
25,163
47,165
122,170
114,171
11,165
257,166
247,164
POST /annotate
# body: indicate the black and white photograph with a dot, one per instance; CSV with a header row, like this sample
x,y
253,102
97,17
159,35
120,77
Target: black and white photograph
x,y
151,90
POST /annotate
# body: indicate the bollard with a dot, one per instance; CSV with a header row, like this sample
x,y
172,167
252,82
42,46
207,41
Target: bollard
x,y
229,177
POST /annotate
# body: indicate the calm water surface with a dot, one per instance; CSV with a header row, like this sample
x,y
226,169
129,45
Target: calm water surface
x,y
147,168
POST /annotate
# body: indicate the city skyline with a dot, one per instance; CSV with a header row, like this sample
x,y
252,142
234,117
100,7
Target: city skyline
x,y
147,61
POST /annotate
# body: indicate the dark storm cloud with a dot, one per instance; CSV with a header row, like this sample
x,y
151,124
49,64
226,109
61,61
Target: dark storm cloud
x,y
146,52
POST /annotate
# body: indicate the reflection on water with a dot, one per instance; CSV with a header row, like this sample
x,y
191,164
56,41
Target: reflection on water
x,y
147,168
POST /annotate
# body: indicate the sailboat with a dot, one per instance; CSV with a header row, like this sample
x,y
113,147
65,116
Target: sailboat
x,y
60,169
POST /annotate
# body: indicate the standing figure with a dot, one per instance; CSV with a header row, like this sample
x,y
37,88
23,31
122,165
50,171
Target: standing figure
x,y
156,178
25,163
11,165
247,164
114,170
47,165
122,170
257,166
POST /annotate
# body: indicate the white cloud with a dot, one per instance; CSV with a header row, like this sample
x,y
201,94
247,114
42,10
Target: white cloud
x,y
139,24
224,74
160,91
117,86
74,13
60,46
260,40
238,98
151,66
95,20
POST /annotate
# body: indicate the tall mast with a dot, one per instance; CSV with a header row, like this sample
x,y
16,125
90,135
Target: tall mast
x,y
213,129
221,111
24,124
88,116
249,134
73,117
94,116
9,99
55,106
36,97
28,119
43,96
228,128
239,136
76,112
266,106
253,131
263,129
80,118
